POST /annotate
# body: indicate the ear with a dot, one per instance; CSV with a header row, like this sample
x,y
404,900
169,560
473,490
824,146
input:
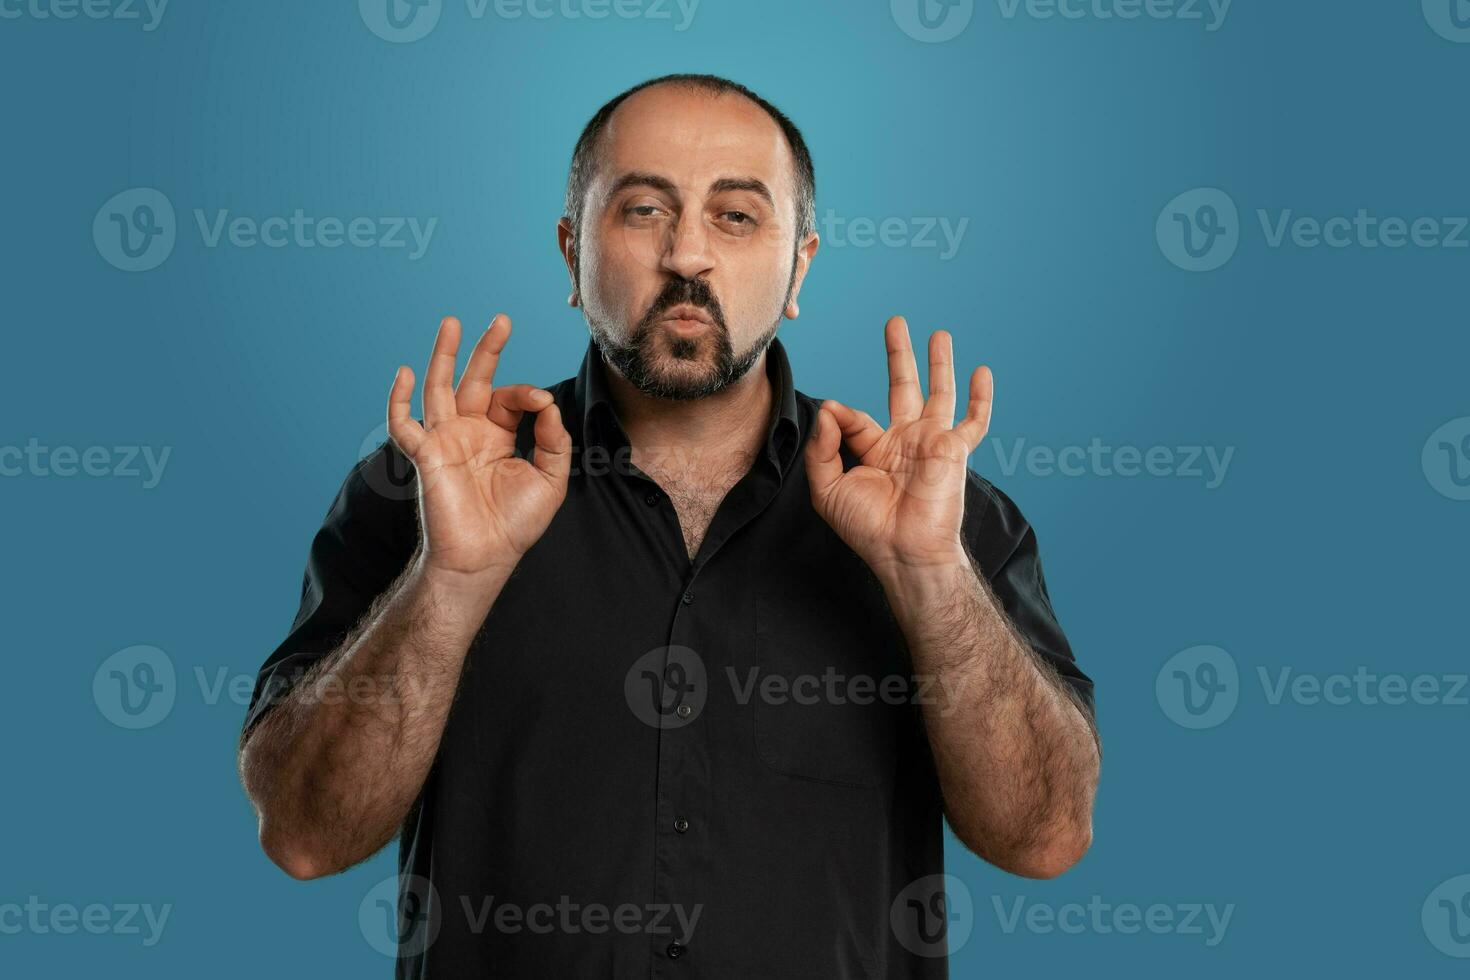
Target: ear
x,y
804,256
566,243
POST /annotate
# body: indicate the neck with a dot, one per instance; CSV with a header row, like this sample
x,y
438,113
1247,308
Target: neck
x,y
728,425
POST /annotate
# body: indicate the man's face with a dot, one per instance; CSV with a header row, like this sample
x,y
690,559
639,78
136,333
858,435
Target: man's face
x,y
688,257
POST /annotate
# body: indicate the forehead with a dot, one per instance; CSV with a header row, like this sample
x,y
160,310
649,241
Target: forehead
x,y
692,136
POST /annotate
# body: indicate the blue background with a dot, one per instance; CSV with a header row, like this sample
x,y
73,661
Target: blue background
x,y
1325,548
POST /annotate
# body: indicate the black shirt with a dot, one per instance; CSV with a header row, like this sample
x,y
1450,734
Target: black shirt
x,y
657,767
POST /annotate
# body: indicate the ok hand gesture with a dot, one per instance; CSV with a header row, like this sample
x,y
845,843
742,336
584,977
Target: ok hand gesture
x,y
480,506
903,505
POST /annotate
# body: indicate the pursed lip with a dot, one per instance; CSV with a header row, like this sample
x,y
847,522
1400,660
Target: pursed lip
x,y
688,313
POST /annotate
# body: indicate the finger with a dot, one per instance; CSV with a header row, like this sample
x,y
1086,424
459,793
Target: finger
x,y
858,429
940,405
905,400
510,402
407,434
439,379
553,445
823,461
977,416
472,396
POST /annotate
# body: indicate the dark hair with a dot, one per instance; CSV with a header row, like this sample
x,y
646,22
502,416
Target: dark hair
x,y
584,157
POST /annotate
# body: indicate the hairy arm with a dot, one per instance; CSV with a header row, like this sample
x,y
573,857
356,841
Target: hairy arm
x,y
1017,755
334,767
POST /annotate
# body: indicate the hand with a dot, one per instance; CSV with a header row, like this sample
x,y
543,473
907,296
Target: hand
x,y
903,505
480,507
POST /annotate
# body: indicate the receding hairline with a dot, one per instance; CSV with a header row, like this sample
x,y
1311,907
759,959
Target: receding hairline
x,y
587,155
595,150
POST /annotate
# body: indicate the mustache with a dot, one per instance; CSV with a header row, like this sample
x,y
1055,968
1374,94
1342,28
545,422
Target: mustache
x,y
683,292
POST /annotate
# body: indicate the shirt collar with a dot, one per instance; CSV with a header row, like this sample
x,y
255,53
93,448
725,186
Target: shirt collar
x,y
600,425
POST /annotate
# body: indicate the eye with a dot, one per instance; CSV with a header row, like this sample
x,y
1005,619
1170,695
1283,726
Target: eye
x,y
739,217
642,210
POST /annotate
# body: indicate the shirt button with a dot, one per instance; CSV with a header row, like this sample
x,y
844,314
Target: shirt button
x,y
684,711
681,825
676,950
687,598
651,500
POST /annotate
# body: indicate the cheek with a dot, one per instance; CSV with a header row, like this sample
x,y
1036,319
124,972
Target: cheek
x,y
757,290
611,278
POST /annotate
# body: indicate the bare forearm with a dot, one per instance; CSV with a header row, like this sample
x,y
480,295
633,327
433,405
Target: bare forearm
x,y
1017,759
333,769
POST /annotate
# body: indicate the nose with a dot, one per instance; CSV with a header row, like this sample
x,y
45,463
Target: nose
x,y
687,253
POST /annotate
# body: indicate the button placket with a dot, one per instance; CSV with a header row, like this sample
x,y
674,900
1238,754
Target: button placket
x,y
681,761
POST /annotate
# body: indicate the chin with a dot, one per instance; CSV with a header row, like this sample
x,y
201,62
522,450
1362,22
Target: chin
x,y
683,380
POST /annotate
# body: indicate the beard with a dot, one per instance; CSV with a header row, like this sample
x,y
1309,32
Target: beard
x,y
662,364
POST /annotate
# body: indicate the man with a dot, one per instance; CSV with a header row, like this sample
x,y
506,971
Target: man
x,y
670,670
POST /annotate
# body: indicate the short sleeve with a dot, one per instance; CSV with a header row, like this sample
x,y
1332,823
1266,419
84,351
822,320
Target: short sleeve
x,y
365,542
1004,545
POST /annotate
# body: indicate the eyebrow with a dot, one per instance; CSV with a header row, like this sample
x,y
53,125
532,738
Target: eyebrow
x,y
640,178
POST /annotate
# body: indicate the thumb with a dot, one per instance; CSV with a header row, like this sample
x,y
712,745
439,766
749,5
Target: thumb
x,y
553,445
823,459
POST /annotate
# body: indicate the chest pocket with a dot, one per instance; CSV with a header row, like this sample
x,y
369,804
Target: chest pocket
x,y
831,692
